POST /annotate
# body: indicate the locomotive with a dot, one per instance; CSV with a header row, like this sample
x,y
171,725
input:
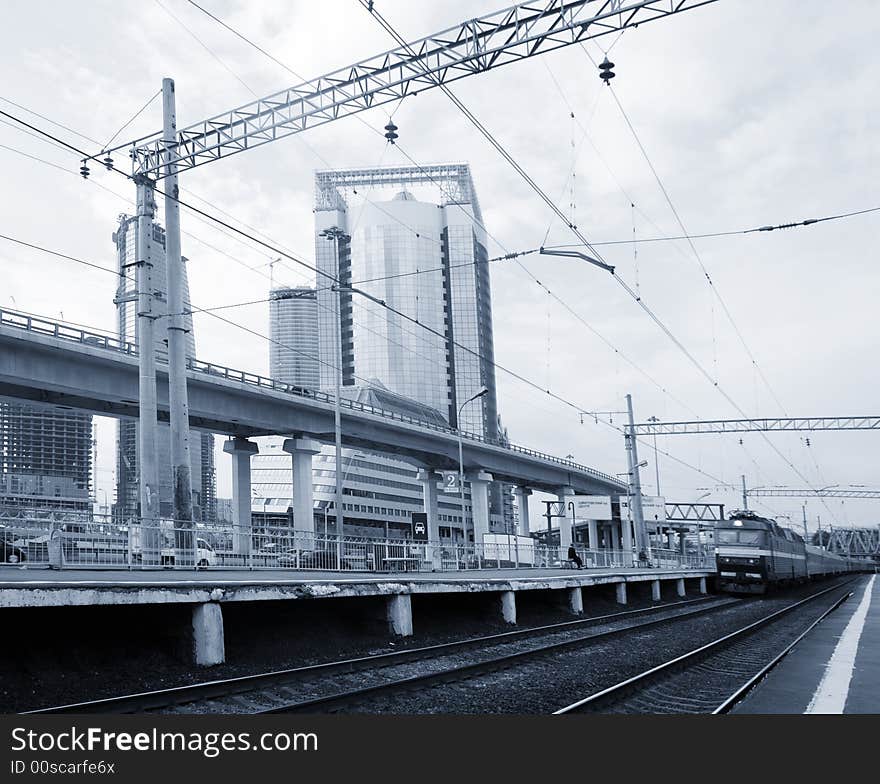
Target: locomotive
x,y
754,554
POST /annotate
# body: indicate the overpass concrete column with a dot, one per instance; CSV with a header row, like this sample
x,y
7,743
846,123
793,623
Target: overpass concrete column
x,y
593,526
429,499
242,521
627,544
303,450
480,504
522,501
564,495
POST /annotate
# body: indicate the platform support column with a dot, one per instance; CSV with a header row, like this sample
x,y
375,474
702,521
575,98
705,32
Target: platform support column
x,y
399,614
303,451
702,585
621,593
242,521
480,507
429,499
207,634
655,590
575,600
522,502
679,586
508,606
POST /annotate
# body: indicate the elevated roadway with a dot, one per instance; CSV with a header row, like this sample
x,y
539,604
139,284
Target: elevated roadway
x,y
53,364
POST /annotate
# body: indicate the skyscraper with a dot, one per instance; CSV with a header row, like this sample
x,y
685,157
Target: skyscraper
x,y
425,260
45,458
202,448
293,329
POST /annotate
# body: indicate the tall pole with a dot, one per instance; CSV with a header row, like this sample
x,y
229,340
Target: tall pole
x,y
745,495
461,481
178,403
337,411
804,508
334,234
636,483
656,460
148,466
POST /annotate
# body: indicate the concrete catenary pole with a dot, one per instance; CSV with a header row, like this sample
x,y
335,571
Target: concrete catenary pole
x,y
745,495
147,461
177,337
636,483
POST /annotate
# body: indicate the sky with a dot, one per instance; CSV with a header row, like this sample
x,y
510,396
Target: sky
x,y
747,120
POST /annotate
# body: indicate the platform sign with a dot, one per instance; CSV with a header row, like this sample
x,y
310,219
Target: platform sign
x,y
450,482
653,509
420,526
592,507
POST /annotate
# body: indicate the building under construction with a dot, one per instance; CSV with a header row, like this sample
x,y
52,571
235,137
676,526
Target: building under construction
x,y
45,458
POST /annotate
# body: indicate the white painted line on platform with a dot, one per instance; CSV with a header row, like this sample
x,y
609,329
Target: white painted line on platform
x,y
833,690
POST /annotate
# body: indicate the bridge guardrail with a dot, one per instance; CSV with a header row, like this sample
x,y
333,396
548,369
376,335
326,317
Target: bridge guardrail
x,y
38,325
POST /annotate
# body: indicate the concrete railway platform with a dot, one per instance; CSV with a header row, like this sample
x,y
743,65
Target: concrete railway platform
x,y
388,596
835,669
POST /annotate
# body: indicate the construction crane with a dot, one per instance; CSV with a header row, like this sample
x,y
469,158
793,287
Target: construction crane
x,y
475,46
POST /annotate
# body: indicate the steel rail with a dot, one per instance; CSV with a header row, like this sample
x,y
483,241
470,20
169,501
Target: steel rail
x,y
750,684
620,690
178,695
462,672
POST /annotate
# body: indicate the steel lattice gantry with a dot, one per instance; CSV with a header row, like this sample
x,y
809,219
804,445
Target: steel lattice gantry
x,y
475,46
858,542
827,492
752,425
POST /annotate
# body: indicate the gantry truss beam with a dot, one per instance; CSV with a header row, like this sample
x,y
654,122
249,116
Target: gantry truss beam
x,y
475,46
828,492
694,513
859,542
750,425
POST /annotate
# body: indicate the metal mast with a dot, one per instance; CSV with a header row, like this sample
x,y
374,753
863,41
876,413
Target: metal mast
x,y
148,462
178,403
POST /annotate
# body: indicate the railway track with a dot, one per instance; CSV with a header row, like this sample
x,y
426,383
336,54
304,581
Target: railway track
x,y
714,677
281,690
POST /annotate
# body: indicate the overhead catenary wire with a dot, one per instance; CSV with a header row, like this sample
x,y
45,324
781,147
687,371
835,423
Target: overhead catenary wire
x,y
370,7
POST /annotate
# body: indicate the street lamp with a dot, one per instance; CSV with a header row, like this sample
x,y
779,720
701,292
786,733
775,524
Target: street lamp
x,y
656,461
483,391
335,234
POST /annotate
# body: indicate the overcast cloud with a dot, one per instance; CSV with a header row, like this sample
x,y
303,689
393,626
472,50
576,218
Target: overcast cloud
x,y
752,114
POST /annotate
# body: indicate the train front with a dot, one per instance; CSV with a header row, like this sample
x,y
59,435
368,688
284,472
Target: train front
x,y
740,554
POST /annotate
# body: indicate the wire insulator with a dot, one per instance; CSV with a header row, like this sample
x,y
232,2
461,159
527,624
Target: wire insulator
x,y
390,131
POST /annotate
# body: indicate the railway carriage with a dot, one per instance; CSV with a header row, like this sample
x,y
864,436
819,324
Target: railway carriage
x,y
754,554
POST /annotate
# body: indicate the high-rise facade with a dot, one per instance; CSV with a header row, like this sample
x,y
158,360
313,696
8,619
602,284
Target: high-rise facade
x,y
201,447
425,260
293,330
45,458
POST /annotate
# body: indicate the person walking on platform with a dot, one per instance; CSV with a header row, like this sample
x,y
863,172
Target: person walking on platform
x,y
573,556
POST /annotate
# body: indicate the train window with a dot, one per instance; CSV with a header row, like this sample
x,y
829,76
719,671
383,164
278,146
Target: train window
x,y
739,536
751,537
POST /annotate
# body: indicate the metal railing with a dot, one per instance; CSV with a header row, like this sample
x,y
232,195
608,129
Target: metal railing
x,y
40,326
108,544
